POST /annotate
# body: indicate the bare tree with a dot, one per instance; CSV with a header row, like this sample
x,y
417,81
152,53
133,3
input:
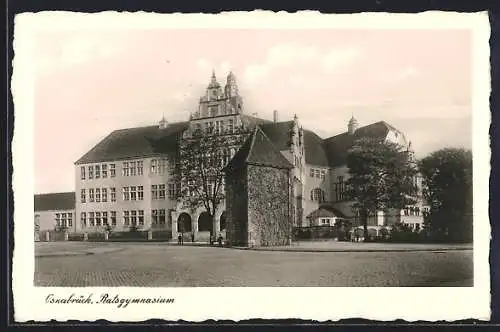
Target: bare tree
x,y
202,157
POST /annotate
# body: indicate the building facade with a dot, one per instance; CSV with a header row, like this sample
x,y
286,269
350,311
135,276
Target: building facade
x,y
131,178
53,212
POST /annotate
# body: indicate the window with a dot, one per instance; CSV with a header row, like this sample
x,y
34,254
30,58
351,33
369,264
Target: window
x,y
230,126
172,162
104,170
154,217
125,169
113,194
112,170
82,172
161,191
323,174
154,166
104,218
126,218
82,196
218,127
91,219
97,171
91,172
83,219
97,195
340,179
317,195
126,194
113,218
317,173
63,220
91,195
133,193
225,156
158,217
140,168
312,172
172,192
154,192
70,219
58,219
140,193
162,165
133,218
161,216
133,168
98,218
104,193
140,214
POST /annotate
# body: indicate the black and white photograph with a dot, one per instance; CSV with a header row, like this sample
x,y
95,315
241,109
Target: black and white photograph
x,y
340,160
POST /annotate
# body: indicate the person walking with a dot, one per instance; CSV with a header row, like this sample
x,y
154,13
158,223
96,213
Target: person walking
x,y
179,239
219,239
192,237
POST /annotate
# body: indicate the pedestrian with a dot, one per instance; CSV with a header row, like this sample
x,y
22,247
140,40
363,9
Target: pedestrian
x,y
192,237
220,240
179,239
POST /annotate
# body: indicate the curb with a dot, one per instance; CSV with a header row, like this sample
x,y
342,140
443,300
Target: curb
x,y
436,250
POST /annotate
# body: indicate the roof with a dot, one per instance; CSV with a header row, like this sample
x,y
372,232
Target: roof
x,y
251,121
279,134
136,142
258,150
321,213
55,201
338,146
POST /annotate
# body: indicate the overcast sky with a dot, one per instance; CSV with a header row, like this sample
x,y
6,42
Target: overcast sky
x,y
90,82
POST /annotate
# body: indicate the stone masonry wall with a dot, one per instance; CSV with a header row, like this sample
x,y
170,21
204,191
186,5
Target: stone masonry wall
x,y
269,219
236,208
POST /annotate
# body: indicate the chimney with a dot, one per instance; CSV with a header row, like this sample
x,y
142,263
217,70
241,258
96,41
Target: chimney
x,y
275,116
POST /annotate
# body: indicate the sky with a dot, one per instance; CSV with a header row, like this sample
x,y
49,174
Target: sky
x,y
89,82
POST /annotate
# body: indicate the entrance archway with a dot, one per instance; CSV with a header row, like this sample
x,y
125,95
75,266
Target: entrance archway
x,y
223,221
205,222
184,222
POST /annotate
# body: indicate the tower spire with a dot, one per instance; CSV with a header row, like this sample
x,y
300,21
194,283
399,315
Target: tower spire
x,y
352,126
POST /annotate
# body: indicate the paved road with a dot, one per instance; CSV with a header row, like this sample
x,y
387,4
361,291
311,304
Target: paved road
x,y
161,265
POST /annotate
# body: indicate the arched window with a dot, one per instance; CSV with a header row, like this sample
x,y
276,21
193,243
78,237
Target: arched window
x,y
317,195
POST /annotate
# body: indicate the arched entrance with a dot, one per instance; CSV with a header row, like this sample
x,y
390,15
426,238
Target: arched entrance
x,y
205,222
223,221
184,222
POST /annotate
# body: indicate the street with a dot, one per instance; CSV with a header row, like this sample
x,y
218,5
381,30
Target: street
x,y
162,265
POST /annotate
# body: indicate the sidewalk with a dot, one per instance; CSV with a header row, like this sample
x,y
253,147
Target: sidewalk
x,y
335,246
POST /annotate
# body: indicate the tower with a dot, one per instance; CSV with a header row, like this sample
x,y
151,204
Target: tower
x,y
231,88
352,126
214,89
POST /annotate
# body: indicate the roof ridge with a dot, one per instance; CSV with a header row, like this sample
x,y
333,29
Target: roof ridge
x,y
271,144
254,134
56,193
148,126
